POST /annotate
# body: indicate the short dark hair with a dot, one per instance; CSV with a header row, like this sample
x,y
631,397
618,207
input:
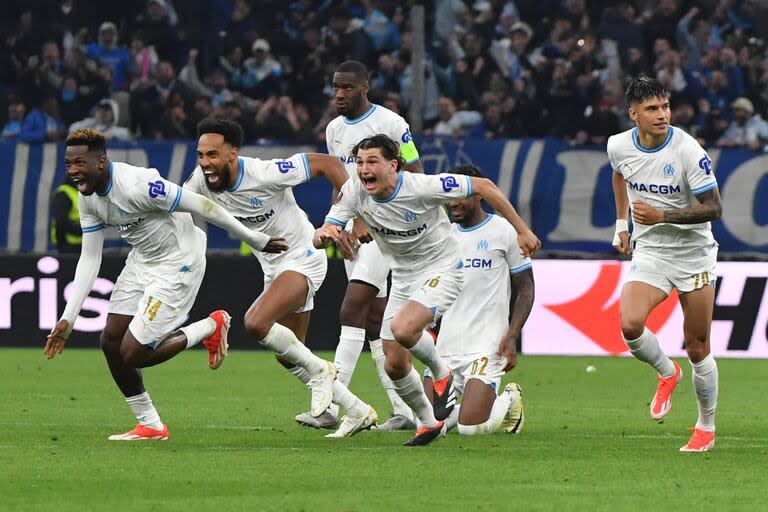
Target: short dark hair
x,y
390,149
230,130
643,88
355,67
467,170
89,137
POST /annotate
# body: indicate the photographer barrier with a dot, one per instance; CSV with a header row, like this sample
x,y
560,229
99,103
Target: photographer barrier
x,y
564,192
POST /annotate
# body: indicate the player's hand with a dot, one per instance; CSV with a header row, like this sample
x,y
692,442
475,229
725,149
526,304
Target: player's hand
x,y
54,344
326,235
347,244
529,243
623,243
508,350
643,213
360,231
275,245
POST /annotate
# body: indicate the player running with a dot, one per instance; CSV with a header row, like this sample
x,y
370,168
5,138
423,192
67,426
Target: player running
x,y
366,294
259,194
161,277
669,179
404,213
476,339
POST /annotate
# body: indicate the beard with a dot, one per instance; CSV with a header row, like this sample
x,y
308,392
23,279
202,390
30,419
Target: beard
x,y
224,179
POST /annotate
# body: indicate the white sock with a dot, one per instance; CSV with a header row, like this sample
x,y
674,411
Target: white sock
x,y
198,331
426,352
453,419
144,410
300,373
398,406
348,351
411,391
281,339
705,379
647,349
492,424
343,397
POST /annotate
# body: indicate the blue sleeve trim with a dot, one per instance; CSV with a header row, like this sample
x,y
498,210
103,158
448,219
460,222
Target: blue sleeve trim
x,y
469,187
92,229
178,199
331,220
305,159
521,268
704,188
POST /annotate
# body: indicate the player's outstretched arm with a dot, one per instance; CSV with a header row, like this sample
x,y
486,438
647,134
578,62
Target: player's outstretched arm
x,y
485,188
708,209
85,274
196,204
621,235
523,283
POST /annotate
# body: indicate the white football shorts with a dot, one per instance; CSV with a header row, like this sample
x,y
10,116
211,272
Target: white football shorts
x,y
313,265
487,368
370,266
667,272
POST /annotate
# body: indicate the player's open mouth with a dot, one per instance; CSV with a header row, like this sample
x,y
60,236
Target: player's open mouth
x,y
369,182
80,183
211,177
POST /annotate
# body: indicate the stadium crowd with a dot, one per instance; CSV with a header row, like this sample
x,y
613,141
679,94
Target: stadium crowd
x,y
499,68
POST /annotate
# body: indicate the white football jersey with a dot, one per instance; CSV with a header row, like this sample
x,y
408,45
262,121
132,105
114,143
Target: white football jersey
x,y
479,319
343,134
411,228
262,199
140,204
668,176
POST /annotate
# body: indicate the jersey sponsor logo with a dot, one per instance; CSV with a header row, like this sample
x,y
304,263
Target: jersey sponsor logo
x,y
256,202
477,263
669,170
449,183
408,232
129,225
255,219
156,189
348,160
705,164
406,138
482,245
285,166
409,217
654,188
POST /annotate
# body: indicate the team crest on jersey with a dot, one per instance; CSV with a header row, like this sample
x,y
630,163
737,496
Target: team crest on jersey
x,y
482,245
669,170
705,164
122,212
285,166
156,189
409,217
449,183
256,202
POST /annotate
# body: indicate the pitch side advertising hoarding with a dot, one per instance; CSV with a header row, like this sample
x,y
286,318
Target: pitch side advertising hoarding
x,y
577,311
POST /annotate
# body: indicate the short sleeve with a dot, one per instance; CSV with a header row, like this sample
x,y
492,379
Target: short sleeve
x,y
441,188
90,220
155,193
329,140
515,260
344,209
698,168
612,154
401,132
287,172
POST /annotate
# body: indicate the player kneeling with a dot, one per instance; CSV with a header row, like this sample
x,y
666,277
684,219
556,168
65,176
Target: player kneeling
x,y
475,339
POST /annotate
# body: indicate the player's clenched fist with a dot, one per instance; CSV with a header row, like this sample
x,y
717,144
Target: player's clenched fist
x,y
529,243
643,213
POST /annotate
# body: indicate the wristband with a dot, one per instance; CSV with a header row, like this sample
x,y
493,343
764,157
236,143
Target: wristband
x,y
621,226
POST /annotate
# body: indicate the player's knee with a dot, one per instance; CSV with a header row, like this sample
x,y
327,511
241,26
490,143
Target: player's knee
x,y
352,313
131,356
109,343
405,332
396,367
257,326
632,328
696,347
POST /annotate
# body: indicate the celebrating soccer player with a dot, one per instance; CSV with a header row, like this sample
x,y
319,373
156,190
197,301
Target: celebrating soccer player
x,y
669,179
404,213
162,274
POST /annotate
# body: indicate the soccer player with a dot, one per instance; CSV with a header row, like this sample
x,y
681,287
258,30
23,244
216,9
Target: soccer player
x,y
476,340
674,195
366,294
404,212
259,194
162,274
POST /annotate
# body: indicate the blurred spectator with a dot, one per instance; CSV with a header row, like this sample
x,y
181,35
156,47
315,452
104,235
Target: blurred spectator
x,y
74,106
452,122
149,100
346,39
282,119
696,40
156,24
16,111
201,109
144,59
747,128
108,53
43,124
384,34
105,117
262,73
175,124
600,123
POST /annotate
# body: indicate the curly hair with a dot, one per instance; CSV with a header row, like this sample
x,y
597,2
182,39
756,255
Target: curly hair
x,y
390,149
643,88
230,130
467,170
89,137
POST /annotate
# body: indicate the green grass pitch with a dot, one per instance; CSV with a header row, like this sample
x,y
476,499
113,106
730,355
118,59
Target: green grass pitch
x,y
588,443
